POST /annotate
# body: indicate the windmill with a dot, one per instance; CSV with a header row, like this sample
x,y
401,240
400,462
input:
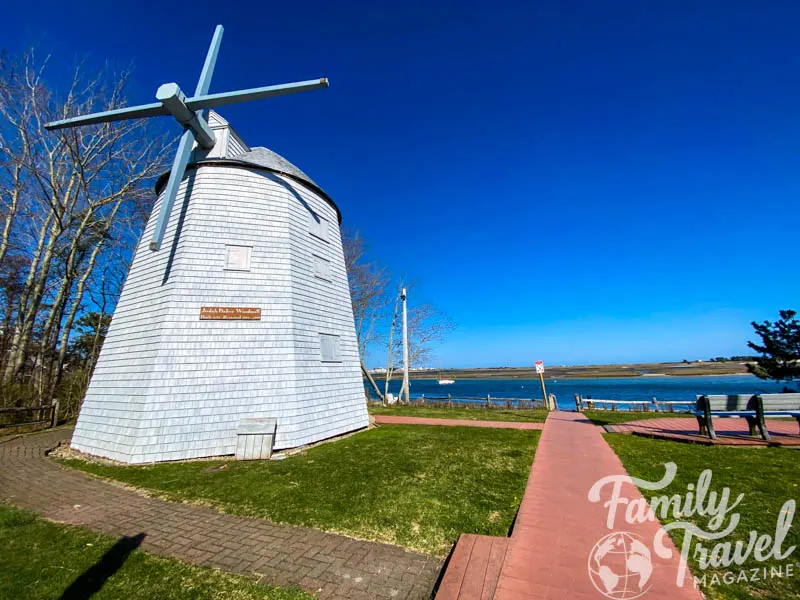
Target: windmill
x,y
240,338
190,113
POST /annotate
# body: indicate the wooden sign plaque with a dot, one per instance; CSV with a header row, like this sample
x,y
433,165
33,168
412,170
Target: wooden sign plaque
x,y
229,313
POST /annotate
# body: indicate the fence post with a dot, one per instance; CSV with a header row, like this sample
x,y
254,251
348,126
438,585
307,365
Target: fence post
x,y
655,404
449,401
578,406
54,417
423,398
553,404
488,401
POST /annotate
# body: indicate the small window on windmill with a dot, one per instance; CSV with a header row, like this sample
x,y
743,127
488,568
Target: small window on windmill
x,y
237,258
318,226
329,348
322,267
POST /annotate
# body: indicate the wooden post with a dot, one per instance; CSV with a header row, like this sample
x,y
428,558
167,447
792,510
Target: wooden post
x,y
423,398
655,404
544,391
405,347
488,401
578,406
54,417
553,401
449,401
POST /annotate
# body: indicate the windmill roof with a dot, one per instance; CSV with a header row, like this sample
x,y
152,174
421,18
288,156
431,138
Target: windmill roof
x,y
264,158
267,159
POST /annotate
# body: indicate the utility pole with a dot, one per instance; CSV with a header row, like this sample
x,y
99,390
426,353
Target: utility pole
x,y
405,348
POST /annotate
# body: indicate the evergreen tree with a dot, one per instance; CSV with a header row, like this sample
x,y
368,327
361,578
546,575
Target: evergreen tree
x,y
779,348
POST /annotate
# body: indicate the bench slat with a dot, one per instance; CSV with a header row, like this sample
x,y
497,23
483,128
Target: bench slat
x,y
729,413
733,402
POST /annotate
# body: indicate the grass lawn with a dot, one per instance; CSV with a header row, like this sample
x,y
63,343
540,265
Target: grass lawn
x,y
610,417
537,415
42,560
413,486
767,477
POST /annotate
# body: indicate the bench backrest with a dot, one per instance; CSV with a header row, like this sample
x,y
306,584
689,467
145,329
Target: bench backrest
x,y
781,401
730,402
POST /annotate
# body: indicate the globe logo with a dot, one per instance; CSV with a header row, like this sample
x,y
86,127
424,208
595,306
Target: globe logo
x,y
620,566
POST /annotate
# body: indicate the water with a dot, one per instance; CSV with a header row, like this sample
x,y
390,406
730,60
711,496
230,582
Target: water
x,y
623,388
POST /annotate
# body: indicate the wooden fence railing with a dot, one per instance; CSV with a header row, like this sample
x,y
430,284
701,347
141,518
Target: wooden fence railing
x,y
654,405
23,416
487,401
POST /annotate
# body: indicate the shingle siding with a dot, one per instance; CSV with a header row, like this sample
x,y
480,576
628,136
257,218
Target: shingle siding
x,y
168,386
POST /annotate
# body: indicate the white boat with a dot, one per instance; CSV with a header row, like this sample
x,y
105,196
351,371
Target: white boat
x,y
443,381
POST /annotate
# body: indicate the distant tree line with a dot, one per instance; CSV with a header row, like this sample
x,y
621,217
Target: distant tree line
x,y
743,358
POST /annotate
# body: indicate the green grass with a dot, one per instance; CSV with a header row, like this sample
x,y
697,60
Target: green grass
x,y
41,560
473,414
610,417
767,477
413,486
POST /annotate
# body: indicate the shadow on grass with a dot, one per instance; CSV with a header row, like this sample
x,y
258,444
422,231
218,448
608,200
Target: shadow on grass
x,y
90,582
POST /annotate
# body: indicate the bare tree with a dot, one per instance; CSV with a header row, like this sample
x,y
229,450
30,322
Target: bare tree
x,y
68,201
426,327
368,284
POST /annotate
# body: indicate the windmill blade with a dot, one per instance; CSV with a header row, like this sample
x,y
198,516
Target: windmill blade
x,y
204,82
215,100
134,112
171,191
185,146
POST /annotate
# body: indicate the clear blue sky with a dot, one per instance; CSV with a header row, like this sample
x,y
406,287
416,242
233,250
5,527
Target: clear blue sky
x,y
570,181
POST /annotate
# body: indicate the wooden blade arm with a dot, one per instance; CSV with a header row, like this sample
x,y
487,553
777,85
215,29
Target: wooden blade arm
x,y
171,191
215,100
134,112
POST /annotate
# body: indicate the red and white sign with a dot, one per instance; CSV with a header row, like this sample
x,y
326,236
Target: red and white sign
x,y
539,366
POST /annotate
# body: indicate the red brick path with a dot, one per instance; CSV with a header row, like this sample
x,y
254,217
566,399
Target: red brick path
x,y
338,567
730,431
391,420
557,526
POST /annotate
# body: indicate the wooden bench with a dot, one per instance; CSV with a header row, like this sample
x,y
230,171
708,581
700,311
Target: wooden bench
x,y
781,405
752,407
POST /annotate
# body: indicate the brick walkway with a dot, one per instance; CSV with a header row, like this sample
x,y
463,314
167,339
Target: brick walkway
x,y
730,432
341,568
391,420
557,528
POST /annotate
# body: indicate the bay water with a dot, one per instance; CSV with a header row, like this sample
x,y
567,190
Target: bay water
x,y
623,388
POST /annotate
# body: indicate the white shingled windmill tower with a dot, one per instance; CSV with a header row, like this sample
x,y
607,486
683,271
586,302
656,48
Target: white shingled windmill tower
x,y
234,329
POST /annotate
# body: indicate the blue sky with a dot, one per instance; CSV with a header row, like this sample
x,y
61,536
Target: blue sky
x,y
576,182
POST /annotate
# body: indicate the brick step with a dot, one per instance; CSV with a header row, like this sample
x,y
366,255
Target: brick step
x,y
474,568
